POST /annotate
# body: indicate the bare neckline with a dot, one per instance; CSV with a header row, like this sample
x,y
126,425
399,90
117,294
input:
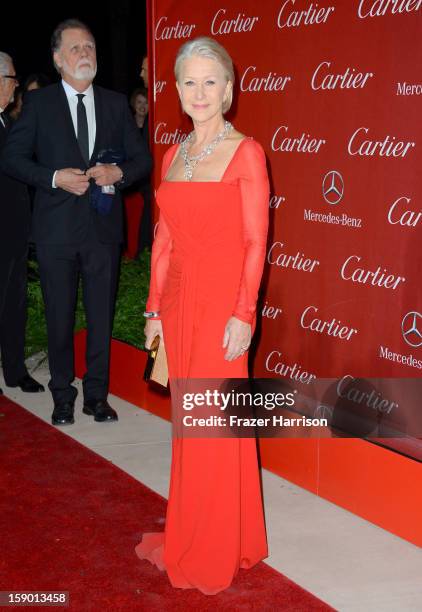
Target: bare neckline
x,y
224,173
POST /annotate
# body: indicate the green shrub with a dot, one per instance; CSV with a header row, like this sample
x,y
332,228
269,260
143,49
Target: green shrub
x,y
128,320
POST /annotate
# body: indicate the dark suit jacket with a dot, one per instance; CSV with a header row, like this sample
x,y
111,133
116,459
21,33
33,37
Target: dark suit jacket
x,y
15,209
45,130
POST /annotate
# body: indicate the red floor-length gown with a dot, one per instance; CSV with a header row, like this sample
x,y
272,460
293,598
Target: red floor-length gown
x,y
207,262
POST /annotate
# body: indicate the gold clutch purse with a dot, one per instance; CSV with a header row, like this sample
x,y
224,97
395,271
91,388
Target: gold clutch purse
x,y
156,368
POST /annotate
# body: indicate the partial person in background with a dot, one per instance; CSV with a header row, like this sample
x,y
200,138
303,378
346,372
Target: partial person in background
x,y
78,145
36,80
144,71
15,107
139,104
14,233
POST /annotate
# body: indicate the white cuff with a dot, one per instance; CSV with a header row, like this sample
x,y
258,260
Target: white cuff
x,y
53,182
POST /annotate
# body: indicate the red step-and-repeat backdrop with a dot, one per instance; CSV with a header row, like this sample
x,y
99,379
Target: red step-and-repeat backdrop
x,y
332,90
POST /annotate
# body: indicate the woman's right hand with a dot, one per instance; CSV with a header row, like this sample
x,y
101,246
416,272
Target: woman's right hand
x,y
153,327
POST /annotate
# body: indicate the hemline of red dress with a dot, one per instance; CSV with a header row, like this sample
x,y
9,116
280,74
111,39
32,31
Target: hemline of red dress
x,y
151,548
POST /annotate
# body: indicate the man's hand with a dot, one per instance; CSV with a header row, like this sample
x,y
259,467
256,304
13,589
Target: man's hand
x,y
105,174
72,180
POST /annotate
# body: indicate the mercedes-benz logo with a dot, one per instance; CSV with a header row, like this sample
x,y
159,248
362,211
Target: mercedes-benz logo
x,y
333,187
409,328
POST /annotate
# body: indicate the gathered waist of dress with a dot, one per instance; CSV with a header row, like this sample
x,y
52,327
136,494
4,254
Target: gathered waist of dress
x,y
214,254
213,267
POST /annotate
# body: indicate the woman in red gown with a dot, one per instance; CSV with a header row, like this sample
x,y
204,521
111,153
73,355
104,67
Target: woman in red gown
x,y
206,268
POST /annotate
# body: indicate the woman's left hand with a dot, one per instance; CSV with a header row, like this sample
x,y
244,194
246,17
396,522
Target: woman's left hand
x,y
237,338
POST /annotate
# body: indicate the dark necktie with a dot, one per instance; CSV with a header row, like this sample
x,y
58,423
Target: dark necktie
x,y
83,139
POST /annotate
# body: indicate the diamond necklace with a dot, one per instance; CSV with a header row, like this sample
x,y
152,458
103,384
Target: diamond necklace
x,y
191,162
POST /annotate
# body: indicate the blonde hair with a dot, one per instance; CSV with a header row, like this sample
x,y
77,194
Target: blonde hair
x,y
204,46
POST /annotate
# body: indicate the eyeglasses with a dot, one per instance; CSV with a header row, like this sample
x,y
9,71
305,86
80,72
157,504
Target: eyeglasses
x,y
11,76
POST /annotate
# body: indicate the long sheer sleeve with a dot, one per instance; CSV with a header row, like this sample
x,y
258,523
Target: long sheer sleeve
x,y
160,253
255,195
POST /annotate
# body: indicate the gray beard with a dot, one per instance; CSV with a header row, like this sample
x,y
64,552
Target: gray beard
x,y
81,74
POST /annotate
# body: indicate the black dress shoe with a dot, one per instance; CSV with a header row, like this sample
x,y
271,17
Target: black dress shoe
x,y
63,414
100,410
28,384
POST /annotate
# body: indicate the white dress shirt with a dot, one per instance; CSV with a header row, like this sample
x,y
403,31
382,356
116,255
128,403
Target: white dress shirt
x,y
88,101
1,118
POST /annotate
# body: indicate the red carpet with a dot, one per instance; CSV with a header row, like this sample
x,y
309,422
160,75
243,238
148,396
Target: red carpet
x,y
70,520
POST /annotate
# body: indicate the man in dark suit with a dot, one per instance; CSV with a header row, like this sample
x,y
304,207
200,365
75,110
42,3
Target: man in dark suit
x,y
77,229
14,232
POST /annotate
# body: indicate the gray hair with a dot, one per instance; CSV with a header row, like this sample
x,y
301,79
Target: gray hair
x,y
5,62
67,24
204,46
